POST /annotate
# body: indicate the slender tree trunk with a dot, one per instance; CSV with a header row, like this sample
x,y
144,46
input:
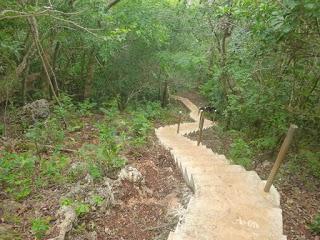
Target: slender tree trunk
x,y
164,101
35,33
90,77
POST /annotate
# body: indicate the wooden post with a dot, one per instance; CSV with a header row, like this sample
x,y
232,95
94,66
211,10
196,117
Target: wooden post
x,y
282,153
201,122
201,116
179,121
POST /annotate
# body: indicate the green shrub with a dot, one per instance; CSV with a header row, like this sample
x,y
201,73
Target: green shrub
x,y
140,127
86,107
20,173
94,171
82,209
110,109
52,169
101,158
39,227
241,153
315,225
313,162
66,109
97,200
16,173
66,202
266,143
152,110
48,132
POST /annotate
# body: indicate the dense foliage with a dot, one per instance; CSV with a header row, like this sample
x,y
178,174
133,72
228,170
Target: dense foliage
x,y
265,66
91,49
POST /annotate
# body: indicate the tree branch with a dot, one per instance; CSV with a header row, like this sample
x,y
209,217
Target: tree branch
x,y
111,4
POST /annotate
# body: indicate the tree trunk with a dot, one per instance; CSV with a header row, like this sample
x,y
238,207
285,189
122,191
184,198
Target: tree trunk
x,y
90,75
165,97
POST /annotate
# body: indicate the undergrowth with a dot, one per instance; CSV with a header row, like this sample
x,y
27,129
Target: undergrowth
x,y
40,161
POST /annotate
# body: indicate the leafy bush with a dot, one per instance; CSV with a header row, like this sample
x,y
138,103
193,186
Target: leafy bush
x,y
315,225
139,128
152,110
39,227
81,209
21,173
313,162
48,132
16,173
52,169
97,200
100,159
241,153
110,109
66,202
86,107
266,143
66,109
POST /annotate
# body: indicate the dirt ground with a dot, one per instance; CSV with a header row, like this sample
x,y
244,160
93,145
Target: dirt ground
x,y
146,215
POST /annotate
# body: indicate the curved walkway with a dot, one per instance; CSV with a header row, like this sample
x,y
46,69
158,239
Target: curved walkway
x,y
229,202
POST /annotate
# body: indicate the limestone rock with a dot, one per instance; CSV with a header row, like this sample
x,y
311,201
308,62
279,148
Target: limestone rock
x,y
69,218
131,174
39,109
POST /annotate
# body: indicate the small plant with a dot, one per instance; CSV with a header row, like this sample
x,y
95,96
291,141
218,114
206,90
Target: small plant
x,y
82,209
86,107
64,111
315,225
39,227
152,110
110,109
98,200
241,153
101,158
95,171
66,202
140,127
266,143
313,162
17,173
48,132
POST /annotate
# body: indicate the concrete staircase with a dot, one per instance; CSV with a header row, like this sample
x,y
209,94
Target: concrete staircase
x,y
228,202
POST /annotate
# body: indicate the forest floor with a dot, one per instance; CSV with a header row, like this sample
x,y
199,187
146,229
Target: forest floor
x,y
139,210
300,195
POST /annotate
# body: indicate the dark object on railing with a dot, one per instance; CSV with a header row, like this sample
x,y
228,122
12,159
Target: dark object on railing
x,y
208,109
283,150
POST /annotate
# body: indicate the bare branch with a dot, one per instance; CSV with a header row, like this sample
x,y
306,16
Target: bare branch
x,y
111,4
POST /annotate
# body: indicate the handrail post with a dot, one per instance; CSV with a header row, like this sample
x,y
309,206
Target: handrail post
x,y
201,123
201,112
179,121
281,155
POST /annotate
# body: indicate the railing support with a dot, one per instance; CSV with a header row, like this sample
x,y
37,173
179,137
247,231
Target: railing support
x,y
179,121
201,123
281,155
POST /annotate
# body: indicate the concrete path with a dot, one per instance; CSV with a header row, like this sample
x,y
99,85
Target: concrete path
x,y
229,202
